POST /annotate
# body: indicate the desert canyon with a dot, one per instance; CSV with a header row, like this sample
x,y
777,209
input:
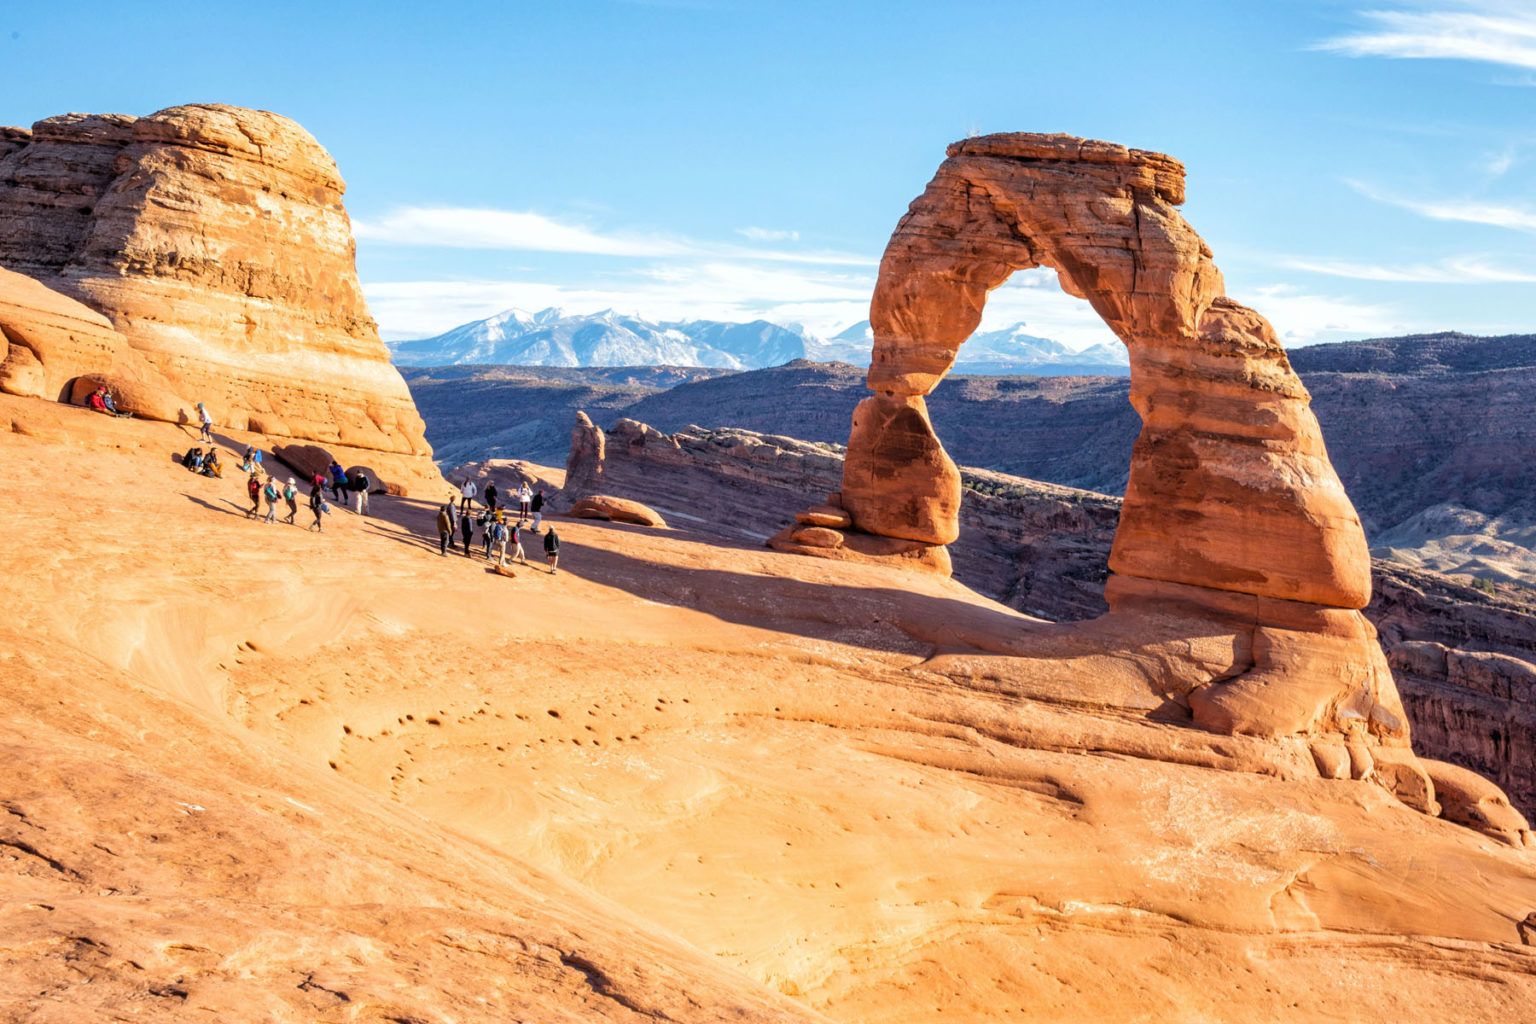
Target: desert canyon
x,y
269,774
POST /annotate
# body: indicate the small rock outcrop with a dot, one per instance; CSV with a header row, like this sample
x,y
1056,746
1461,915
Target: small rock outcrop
x,y
584,464
618,510
1233,513
214,241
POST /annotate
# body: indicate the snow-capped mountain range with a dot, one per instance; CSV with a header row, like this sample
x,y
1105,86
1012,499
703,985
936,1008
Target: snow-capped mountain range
x,y
554,338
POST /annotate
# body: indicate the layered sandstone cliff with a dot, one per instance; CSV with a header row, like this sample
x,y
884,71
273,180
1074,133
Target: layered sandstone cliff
x,y
214,240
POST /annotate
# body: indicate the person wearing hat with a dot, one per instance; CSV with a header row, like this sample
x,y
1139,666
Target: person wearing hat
x,y
206,433
291,496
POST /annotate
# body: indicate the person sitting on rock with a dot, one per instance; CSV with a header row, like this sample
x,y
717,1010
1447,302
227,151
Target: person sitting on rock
x,y
253,489
193,459
291,496
211,465
552,551
98,402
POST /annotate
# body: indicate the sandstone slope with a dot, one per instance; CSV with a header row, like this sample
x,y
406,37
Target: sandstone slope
x,y
258,770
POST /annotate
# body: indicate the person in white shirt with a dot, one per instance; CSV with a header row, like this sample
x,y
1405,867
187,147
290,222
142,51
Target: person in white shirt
x,y
524,499
469,490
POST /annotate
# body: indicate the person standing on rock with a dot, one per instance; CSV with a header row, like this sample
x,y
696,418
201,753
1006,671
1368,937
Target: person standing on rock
x,y
360,487
317,506
467,494
338,481
291,496
271,493
444,527
253,491
538,509
486,521
514,545
467,528
524,500
491,494
498,538
552,551
205,421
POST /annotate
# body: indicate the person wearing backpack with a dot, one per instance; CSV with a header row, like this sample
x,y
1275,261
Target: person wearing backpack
x,y
271,494
485,521
360,486
467,528
517,545
253,490
318,506
444,528
291,496
499,542
552,551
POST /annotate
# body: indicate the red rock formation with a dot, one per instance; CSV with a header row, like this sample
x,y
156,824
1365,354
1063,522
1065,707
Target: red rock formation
x,y
214,240
1233,514
618,510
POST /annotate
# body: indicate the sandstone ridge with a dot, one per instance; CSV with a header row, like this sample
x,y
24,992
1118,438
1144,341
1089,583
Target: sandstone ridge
x,y
214,241
1233,515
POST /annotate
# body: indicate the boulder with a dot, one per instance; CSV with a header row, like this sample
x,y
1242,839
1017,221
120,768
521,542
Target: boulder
x,y
1469,799
824,515
306,459
619,510
817,537
584,464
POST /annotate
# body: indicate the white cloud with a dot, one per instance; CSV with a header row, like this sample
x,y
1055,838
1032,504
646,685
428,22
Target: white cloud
x,y
768,234
466,227
1463,211
1301,318
1487,31
1499,164
1451,270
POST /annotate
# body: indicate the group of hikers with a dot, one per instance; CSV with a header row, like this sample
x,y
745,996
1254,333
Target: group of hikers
x,y
501,532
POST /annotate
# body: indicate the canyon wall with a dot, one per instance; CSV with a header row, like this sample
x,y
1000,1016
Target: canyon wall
x,y
214,241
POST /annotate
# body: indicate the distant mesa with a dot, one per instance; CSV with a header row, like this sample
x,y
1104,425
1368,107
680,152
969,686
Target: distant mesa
x,y
555,338
201,253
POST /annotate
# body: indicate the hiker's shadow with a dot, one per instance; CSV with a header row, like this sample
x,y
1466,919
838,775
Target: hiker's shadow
x,y
223,505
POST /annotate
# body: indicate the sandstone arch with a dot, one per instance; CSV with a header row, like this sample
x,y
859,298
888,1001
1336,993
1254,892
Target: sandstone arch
x,y
1233,514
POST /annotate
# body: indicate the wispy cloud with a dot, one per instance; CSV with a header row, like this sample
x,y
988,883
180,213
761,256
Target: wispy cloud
x,y
461,227
768,234
1451,270
1487,31
1303,318
1512,216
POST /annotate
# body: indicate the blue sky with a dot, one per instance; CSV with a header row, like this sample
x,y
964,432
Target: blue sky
x,y
1359,168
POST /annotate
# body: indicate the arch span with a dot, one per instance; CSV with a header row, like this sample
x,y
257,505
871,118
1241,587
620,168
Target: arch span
x,y
1230,484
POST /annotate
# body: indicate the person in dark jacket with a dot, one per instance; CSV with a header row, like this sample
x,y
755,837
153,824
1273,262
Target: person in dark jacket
x,y
490,495
317,506
467,529
253,491
361,485
338,481
444,528
552,551
538,509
